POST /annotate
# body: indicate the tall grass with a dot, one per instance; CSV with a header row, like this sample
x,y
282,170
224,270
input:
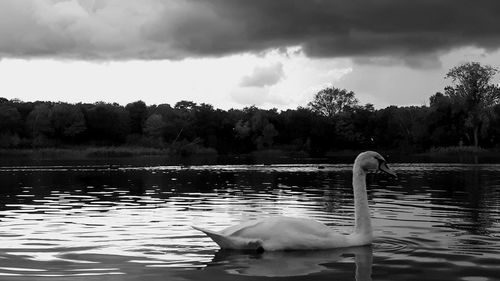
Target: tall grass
x,y
457,150
81,152
123,151
108,151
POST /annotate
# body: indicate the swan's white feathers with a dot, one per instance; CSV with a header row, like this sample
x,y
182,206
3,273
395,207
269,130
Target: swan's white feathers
x,y
232,242
267,228
277,233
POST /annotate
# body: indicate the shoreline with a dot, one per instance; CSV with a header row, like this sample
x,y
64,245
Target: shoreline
x,y
121,154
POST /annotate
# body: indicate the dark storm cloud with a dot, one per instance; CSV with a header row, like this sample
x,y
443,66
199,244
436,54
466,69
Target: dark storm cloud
x,y
334,28
174,29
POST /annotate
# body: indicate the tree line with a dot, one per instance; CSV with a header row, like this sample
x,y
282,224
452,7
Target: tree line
x,y
467,112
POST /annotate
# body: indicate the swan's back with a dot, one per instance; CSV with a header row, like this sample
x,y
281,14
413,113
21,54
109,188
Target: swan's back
x,y
269,227
279,233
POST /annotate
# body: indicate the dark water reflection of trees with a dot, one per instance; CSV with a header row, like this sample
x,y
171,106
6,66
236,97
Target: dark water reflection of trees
x,y
469,192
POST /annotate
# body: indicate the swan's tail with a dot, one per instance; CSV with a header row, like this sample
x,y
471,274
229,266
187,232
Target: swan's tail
x,y
235,243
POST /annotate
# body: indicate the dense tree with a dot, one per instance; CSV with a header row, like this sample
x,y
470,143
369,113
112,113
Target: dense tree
x,y
242,129
297,127
39,125
257,126
154,126
10,118
138,113
185,105
332,101
207,124
182,121
107,123
10,124
354,128
444,121
268,134
474,91
68,120
39,121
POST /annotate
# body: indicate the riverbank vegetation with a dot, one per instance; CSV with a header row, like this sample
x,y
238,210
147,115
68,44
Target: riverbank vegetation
x,y
465,116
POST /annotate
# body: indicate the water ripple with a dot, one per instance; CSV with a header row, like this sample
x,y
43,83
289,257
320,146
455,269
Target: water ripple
x,y
73,222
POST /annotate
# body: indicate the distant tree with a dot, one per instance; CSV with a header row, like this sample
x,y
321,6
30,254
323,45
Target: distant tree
x,y
39,125
68,120
444,121
355,128
185,105
411,124
138,113
107,123
493,134
268,134
259,122
363,119
332,101
39,121
472,89
154,126
10,124
242,129
181,124
297,126
255,127
208,124
10,119
163,109
24,108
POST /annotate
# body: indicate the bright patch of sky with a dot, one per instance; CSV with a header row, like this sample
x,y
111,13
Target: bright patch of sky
x,y
217,81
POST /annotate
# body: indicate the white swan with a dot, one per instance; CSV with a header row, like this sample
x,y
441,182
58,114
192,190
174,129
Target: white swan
x,y
287,233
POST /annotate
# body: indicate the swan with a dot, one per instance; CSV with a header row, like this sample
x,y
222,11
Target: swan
x,y
288,233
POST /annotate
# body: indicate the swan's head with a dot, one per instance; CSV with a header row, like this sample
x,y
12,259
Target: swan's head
x,y
372,161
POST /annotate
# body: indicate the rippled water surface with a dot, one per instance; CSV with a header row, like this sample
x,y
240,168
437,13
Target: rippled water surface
x,y
436,222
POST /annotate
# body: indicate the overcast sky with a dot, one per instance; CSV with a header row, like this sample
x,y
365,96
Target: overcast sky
x,y
237,53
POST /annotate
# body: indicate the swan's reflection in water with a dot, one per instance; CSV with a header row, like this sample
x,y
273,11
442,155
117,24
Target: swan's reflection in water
x,y
295,263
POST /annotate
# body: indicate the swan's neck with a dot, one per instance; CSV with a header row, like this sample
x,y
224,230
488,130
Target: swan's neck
x,y
361,210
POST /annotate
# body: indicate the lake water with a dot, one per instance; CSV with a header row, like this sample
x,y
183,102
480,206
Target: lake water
x,y
101,222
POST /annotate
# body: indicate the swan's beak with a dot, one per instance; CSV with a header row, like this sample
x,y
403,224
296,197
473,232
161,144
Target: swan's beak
x,y
384,168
